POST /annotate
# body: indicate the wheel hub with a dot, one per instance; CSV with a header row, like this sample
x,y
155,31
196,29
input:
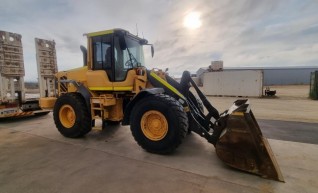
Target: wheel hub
x,y
67,116
154,125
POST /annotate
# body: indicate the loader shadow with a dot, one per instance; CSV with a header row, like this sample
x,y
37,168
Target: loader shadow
x,y
195,145
106,133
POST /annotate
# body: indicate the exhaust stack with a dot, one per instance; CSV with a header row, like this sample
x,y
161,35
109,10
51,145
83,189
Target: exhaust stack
x,y
84,51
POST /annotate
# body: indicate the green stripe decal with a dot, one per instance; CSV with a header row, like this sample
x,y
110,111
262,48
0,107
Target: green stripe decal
x,y
111,88
166,84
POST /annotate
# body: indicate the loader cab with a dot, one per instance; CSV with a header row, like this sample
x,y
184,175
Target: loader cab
x,y
116,52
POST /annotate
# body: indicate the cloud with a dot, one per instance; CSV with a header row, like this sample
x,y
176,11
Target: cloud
x,y
242,33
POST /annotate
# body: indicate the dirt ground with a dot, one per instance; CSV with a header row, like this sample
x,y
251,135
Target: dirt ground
x,y
291,103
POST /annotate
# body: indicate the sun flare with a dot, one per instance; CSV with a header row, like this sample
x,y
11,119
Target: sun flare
x,y
192,20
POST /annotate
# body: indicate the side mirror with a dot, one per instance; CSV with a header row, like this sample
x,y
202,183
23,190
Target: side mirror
x,y
152,51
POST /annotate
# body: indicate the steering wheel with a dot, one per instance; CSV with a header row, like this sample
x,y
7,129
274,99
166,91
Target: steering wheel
x,y
128,63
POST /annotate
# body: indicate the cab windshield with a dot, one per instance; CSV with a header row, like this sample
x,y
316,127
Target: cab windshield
x,y
131,56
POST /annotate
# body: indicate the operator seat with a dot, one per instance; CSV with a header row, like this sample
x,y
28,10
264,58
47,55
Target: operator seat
x,y
108,63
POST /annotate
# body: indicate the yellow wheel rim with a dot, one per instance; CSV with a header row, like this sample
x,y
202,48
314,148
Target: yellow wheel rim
x,y
154,125
67,116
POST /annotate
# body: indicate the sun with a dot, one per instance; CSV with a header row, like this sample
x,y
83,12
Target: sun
x,y
192,20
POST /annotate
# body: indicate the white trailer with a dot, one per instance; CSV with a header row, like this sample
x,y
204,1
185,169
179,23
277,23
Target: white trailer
x,y
47,66
13,101
244,83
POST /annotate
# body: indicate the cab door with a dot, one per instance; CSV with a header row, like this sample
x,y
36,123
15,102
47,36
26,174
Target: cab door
x,y
101,75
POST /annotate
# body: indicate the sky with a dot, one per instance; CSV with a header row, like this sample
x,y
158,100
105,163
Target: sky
x,y
242,33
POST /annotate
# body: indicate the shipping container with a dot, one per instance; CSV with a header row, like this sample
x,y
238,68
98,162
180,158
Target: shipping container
x,y
247,83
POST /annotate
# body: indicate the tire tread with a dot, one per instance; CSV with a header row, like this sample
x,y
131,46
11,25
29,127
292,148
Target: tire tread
x,y
84,126
181,118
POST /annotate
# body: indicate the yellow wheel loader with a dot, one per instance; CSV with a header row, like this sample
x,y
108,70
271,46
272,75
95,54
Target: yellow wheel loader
x,y
115,86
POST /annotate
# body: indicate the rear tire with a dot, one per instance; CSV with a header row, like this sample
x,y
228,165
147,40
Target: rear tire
x,y
158,123
71,116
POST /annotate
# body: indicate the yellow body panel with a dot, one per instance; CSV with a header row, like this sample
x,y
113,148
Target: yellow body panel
x,y
47,102
78,74
104,100
129,81
139,84
98,79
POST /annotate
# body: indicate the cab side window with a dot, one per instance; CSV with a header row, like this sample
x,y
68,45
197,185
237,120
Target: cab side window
x,y
102,58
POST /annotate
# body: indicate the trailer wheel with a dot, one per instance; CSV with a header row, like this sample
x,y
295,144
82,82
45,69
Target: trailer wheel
x,y
71,116
158,123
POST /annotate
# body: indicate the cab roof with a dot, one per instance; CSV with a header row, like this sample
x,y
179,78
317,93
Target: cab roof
x,y
104,32
112,31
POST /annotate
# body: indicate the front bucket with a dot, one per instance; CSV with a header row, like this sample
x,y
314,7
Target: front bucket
x,y
242,145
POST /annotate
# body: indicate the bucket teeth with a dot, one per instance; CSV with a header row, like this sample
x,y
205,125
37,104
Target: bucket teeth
x,y
242,145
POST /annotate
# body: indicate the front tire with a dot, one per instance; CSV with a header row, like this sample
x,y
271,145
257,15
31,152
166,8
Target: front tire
x,y
71,116
158,123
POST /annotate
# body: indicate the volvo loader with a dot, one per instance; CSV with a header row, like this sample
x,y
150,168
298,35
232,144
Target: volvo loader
x,y
115,86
